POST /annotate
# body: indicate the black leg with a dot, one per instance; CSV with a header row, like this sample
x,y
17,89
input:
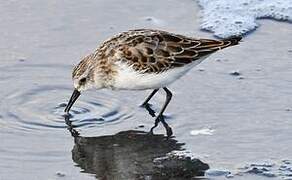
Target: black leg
x,y
149,97
160,115
146,105
168,98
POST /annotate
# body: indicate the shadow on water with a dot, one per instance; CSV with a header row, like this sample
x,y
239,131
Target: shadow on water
x,y
133,155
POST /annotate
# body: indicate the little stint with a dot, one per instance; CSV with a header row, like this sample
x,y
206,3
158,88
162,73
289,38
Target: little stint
x,y
143,59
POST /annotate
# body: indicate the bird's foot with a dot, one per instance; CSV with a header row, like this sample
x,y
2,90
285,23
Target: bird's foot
x,y
161,119
157,120
150,133
168,129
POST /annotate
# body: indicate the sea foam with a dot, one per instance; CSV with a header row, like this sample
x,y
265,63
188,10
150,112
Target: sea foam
x,y
236,17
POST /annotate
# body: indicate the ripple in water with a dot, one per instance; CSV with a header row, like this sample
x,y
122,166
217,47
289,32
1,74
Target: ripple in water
x,y
92,114
39,107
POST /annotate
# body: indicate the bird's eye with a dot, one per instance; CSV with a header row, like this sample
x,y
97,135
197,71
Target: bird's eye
x,y
82,80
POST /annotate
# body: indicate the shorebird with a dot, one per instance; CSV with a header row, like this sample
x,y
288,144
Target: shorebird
x,y
143,59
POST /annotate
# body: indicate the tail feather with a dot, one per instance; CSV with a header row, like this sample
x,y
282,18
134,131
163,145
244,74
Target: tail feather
x,y
233,40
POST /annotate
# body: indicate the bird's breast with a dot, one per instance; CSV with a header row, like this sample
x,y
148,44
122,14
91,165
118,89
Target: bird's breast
x,y
127,78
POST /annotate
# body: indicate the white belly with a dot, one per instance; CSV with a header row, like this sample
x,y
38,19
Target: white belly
x,y
128,79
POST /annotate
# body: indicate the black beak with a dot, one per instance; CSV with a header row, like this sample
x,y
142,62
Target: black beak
x,y
72,100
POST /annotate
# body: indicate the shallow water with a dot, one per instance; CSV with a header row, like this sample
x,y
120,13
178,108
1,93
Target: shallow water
x,y
249,116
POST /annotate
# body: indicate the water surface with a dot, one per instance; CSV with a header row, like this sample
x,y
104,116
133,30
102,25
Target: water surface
x,y
250,117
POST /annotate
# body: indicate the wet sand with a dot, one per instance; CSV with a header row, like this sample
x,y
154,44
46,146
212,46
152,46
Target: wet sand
x,y
250,114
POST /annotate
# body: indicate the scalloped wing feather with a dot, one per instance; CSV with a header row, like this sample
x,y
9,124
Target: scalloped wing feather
x,y
153,51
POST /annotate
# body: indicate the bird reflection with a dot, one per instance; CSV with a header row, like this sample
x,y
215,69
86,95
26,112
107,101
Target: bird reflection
x,y
130,155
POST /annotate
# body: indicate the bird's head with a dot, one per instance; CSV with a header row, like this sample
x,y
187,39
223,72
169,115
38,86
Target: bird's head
x,y
85,76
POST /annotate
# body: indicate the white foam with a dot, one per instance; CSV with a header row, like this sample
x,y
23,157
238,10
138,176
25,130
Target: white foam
x,y
235,17
204,131
218,172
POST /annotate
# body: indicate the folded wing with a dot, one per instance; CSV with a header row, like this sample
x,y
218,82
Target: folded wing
x,y
154,51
